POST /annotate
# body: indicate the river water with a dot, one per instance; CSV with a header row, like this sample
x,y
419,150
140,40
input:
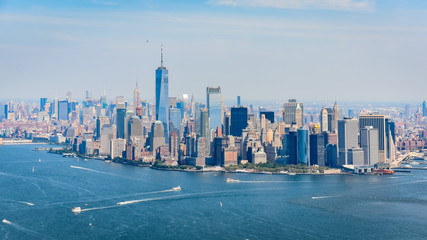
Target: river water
x,y
37,204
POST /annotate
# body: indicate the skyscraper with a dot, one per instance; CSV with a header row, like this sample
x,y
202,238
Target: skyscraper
x,y
317,149
390,139
348,130
324,120
268,115
215,106
239,120
303,155
43,102
136,97
369,144
175,120
135,128
100,122
424,109
120,122
157,138
378,122
63,110
162,97
290,112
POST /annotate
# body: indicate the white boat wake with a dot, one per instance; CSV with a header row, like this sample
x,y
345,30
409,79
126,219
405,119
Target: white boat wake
x,y
107,173
20,228
28,203
322,197
270,181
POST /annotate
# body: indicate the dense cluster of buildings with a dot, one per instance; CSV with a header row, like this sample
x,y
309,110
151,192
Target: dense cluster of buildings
x,y
187,132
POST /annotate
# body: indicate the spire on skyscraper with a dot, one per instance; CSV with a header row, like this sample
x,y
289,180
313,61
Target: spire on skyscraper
x,y
161,56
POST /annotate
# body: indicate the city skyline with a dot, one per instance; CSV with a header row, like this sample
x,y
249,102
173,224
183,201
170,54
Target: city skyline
x,y
251,49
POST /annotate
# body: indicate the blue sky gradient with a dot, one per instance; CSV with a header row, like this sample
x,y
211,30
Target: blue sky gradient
x,y
348,50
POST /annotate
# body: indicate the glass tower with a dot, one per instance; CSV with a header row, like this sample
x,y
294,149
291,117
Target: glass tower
x,y
214,102
303,146
162,97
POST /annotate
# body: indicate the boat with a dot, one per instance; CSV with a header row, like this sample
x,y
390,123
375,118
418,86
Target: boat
x,y
292,173
176,189
76,210
5,221
383,171
40,160
220,204
230,180
33,169
108,161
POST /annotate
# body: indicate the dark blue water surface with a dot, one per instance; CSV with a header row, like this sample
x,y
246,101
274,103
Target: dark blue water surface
x,y
264,207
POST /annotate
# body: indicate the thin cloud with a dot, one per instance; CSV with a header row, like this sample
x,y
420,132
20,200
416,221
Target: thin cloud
x,y
347,5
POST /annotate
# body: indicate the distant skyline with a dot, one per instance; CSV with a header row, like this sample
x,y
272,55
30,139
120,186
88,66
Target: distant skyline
x,y
349,50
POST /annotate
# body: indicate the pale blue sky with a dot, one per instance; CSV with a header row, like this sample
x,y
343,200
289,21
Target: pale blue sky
x,y
347,50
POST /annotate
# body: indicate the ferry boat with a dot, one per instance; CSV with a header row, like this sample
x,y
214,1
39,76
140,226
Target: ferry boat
x,y
383,171
76,210
230,180
176,189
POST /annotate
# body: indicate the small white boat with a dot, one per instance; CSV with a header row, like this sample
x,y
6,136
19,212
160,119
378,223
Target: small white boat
x,y
33,169
40,160
220,204
5,221
76,210
176,189
292,174
108,161
230,180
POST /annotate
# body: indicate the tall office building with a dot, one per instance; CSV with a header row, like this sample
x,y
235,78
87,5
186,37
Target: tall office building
x,y
317,149
336,116
329,118
215,106
369,144
390,139
324,120
136,97
205,133
162,97
290,146
106,135
290,110
424,109
348,130
226,125
135,128
43,102
157,137
303,154
175,120
120,122
378,122
239,120
204,120
269,115
100,122
407,111
63,110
